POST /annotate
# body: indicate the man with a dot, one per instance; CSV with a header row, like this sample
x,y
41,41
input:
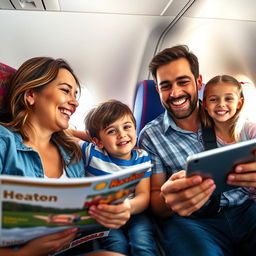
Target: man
x,y
194,227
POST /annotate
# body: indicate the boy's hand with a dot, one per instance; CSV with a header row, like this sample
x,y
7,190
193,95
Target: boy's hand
x,y
110,215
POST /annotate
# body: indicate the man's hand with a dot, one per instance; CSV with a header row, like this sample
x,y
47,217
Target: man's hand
x,y
184,195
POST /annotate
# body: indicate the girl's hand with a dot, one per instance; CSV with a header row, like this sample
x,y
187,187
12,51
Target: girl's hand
x,y
244,175
111,216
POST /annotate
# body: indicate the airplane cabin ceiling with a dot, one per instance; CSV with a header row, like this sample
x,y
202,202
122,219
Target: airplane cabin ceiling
x,y
220,9
138,7
223,9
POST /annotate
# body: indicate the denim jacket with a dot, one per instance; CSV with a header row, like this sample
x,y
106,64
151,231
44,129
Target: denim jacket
x,y
18,159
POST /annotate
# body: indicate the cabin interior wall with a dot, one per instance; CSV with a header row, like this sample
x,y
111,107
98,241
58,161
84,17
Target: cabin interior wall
x,y
105,50
110,53
222,46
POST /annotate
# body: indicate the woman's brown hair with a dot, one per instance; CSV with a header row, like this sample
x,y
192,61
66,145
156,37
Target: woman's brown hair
x,y
35,74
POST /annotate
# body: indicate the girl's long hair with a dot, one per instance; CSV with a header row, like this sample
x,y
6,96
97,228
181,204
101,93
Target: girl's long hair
x,y
207,121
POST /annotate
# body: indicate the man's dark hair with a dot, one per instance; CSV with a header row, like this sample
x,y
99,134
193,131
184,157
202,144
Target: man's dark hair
x,y
174,53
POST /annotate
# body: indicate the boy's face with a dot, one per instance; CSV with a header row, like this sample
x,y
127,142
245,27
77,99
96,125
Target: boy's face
x,y
119,138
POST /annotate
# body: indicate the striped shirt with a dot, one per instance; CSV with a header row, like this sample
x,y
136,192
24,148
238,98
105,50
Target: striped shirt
x,y
169,146
98,162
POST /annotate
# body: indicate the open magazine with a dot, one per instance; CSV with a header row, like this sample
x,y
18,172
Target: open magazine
x,y
32,207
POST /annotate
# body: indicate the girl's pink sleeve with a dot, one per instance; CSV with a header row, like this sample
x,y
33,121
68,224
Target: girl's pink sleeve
x,y
251,130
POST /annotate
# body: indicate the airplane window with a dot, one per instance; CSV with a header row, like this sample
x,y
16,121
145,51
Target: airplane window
x,y
249,107
85,103
249,91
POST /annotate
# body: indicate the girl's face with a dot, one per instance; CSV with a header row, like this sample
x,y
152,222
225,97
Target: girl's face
x,y
52,107
119,138
222,101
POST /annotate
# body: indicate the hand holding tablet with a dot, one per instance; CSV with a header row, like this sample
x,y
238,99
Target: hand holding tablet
x,y
218,163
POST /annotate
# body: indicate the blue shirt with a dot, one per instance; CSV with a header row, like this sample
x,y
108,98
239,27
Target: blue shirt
x,y
169,146
97,161
18,159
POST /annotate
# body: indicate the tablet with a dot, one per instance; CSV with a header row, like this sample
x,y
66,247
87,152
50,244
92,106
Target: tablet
x,y
218,163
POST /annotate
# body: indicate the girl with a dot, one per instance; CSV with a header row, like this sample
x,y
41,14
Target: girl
x,y
222,103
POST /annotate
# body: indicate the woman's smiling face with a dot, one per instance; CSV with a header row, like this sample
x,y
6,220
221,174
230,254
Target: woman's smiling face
x,y
53,106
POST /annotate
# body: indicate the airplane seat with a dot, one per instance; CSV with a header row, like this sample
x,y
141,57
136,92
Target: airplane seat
x,y
147,104
6,73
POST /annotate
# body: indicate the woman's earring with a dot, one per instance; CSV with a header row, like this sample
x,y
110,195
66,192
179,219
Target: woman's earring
x,y
30,103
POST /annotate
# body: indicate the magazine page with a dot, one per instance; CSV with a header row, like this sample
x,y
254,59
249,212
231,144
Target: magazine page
x,y
32,207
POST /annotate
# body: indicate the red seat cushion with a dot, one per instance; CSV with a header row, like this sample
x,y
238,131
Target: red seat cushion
x,y
6,73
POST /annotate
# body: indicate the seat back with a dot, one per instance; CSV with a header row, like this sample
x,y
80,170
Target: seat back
x,y
147,104
6,74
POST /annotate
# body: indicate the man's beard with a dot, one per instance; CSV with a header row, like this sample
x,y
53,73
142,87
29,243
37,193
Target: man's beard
x,y
189,111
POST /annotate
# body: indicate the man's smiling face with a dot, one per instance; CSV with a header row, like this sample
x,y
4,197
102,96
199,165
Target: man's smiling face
x,y
177,88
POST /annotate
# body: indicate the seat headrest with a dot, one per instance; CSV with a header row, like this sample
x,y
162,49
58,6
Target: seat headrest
x,y
6,73
147,104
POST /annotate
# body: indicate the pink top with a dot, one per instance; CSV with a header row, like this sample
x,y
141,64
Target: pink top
x,y
248,132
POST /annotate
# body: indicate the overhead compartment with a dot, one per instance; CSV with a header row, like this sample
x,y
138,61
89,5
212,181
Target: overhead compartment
x,y
6,4
31,5
52,5
28,5
133,7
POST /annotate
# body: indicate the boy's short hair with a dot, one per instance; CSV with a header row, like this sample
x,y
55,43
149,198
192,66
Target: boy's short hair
x,y
105,114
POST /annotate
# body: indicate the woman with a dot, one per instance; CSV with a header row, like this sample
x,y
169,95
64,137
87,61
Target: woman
x,y
39,103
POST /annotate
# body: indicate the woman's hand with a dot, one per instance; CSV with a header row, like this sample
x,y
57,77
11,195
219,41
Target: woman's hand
x,y
79,135
48,244
111,215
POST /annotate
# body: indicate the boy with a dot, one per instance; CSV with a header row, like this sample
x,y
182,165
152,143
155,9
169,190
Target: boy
x,y
112,129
